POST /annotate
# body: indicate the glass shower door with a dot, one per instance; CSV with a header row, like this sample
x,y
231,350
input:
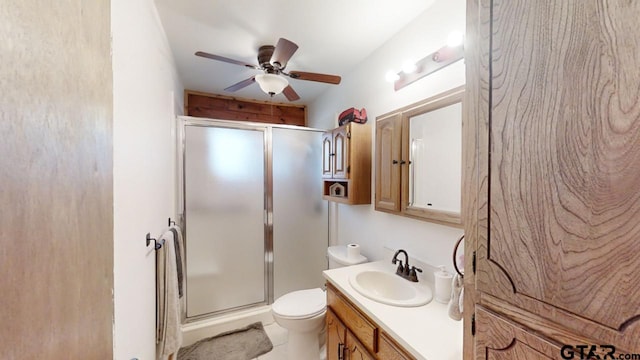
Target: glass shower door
x,y
224,190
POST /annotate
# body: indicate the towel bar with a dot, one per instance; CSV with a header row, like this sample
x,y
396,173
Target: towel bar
x,y
157,244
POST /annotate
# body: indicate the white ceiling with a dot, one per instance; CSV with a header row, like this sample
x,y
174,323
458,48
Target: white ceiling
x,y
333,37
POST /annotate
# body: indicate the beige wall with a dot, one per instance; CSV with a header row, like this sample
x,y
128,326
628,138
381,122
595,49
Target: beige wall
x,y
56,194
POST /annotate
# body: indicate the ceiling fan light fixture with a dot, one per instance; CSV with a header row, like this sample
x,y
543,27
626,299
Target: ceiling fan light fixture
x,y
271,84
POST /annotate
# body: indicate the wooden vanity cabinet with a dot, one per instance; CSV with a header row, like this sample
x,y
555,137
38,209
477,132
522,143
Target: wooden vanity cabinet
x,y
552,177
336,337
341,343
389,350
352,335
355,350
346,164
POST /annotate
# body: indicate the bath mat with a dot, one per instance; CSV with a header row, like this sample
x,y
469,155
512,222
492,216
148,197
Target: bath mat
x,y
242,344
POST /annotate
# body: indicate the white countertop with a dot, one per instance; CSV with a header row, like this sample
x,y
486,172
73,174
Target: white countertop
x,y
427,332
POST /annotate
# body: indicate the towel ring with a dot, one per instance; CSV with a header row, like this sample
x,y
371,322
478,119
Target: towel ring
x,y
455,251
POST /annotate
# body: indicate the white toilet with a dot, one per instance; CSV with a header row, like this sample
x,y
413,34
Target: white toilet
x,y
302,312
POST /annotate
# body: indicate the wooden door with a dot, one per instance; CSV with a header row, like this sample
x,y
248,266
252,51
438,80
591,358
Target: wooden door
x,y
336,337
558,176
327,155
57,182
341,152
501,339
388,152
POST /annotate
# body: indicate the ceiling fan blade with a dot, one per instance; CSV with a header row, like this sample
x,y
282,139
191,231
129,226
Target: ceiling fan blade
x,y
324,78
291,94
241,84
222,58
283,52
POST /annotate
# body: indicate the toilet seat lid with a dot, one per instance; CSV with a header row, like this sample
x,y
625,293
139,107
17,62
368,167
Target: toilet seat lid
x,y
300,304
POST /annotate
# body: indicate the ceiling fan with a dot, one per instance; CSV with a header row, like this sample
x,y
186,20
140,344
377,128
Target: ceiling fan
x,y
273,60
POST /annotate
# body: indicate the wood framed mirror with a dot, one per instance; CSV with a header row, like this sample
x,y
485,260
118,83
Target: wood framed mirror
x,y
419,159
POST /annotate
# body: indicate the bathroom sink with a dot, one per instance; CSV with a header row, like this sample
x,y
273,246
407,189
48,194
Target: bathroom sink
x,y
390,289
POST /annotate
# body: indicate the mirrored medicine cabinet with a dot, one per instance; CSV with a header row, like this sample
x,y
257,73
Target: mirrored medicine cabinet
x,y
419,159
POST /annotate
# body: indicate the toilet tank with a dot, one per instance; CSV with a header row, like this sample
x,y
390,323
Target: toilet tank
x,y
338,257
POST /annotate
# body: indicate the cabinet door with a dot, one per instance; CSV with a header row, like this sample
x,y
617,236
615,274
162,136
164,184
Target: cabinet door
x,y
388,151
336,337
327,155
500,339
341,152
355,349
559,236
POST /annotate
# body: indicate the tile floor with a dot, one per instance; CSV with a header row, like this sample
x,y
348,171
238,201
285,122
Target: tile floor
x,y
278,336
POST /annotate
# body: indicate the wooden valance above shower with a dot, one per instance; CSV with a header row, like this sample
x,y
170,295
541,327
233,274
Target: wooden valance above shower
x,y
213,106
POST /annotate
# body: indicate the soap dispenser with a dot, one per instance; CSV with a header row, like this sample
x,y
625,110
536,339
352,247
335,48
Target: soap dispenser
x,y
443,285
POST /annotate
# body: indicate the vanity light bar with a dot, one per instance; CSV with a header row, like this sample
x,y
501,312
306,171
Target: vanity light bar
x,y
430,64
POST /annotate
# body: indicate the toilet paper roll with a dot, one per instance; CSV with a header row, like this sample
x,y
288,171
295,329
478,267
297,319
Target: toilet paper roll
x,y
353,251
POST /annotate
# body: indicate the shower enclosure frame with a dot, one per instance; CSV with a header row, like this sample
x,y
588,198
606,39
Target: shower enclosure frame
x,y
267,131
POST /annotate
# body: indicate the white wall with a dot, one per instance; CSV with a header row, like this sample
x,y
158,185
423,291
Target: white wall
x,y
147,95
366,87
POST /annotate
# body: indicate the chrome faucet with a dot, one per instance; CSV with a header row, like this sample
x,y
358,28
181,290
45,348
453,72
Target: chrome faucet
x,y
405,271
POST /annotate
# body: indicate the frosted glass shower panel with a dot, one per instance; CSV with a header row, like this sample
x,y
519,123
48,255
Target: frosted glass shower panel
x,y
300,231
224,214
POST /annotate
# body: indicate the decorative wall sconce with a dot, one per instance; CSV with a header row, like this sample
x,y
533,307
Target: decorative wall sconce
x,y
444,56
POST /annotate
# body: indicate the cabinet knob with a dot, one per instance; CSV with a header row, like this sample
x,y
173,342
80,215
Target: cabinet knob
x,y
394,162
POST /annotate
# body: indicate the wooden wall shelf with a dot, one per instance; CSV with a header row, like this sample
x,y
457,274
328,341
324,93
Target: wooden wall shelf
x,y
346,163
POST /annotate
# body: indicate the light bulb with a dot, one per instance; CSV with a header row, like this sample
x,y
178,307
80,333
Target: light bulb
x,y
392,76
455,38
408,67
